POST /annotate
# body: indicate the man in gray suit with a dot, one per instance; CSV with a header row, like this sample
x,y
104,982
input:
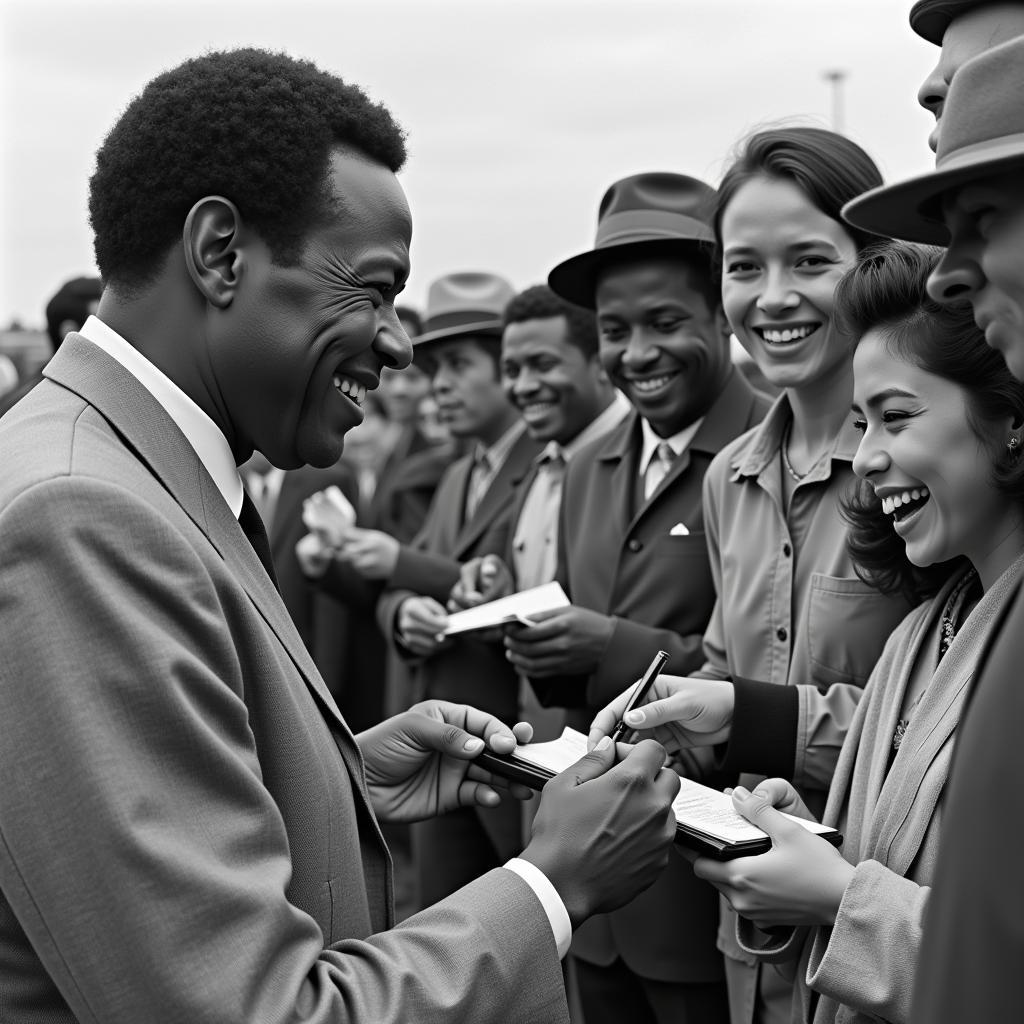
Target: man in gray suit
x,y
188,829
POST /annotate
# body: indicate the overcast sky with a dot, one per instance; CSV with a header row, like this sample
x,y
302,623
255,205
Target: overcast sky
x,y
519,113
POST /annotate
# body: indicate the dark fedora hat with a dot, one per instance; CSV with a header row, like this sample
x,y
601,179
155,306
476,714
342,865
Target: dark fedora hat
x,y
470,302
930,18
982,134
658,211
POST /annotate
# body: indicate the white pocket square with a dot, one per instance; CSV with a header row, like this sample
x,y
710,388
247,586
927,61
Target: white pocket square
x,y
679,530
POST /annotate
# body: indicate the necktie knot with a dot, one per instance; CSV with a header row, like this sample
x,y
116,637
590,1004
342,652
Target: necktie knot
x,y
666,453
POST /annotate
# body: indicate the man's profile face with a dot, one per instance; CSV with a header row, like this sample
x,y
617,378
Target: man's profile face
x,y
984,263
469,395
967,36
554,385
661,343
303,343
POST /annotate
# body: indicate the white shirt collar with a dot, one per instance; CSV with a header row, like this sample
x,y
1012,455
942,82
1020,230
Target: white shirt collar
x,y
202,433
678,442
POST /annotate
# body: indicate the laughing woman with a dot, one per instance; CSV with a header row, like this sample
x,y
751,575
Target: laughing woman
x,y
942,510
794,633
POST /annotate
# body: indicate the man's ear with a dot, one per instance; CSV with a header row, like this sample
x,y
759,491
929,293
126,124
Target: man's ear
x,y
211,242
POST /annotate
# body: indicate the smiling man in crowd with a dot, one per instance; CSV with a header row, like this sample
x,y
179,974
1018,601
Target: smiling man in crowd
x,y
189,828
632,552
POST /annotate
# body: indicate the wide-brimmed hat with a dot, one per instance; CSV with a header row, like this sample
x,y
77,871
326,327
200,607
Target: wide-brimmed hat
x,y
930,18
659,211
982,134
470,302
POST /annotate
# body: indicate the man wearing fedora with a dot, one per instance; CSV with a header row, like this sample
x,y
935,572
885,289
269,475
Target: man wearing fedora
x,y
632,552
460,350
973,203
962,29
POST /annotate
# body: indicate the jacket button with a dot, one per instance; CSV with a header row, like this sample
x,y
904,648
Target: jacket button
x,y
781,633
787,550
635,545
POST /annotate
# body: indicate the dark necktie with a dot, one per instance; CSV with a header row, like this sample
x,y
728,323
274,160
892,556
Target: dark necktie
x,y
252,526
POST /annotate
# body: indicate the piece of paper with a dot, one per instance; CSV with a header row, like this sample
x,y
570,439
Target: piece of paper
x,y
514,608
696,806
330,514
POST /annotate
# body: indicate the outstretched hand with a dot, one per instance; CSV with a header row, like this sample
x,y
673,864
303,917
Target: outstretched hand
x,y
800,881
480,580
420,763
681,712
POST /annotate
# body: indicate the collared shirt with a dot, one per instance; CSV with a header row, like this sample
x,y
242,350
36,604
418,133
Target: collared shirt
x,y
791,609
535,544
487,463
651,468
202,433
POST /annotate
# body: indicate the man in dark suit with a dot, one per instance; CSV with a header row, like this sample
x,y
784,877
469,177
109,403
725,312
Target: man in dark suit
x,y
189,827
633,557
973,202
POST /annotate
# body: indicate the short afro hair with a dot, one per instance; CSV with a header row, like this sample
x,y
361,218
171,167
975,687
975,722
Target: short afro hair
x,y
541,303
253,126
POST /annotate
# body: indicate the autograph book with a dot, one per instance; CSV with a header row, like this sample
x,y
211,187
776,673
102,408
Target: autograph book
x,y
705,818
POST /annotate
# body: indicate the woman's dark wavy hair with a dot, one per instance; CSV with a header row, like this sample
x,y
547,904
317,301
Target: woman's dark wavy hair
x,y
827,167
886,291
253,126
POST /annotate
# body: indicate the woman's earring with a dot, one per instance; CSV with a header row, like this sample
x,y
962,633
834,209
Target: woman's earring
x,y
1013,444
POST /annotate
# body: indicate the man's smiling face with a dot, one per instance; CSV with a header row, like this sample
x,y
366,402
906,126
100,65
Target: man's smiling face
x,y
302,343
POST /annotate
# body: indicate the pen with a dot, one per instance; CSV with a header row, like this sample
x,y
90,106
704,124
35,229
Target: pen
x,y
639,693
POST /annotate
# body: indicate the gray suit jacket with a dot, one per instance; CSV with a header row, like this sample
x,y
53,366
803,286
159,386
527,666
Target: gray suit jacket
x,y
185,833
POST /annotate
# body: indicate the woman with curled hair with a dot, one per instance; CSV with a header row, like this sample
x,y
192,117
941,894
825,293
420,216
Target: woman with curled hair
x,y
794,633
941,512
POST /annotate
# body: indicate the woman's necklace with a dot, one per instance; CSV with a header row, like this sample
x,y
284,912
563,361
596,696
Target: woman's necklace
x,y
784,448
948,626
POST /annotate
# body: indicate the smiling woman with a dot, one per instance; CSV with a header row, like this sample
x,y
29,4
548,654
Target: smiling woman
x,y
941,418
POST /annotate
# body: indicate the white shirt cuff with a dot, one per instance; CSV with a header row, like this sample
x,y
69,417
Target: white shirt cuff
x,y
558,916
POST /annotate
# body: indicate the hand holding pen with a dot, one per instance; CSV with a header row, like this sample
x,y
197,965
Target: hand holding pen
x,y
622,732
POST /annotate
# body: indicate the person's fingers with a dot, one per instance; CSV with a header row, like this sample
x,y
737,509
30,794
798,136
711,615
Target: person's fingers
x,y
608,717
758,810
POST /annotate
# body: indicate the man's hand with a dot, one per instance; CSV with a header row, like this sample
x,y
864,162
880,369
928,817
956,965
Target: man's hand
x,y
566,641
313,555
603,831
420,624
681,712
372,553
800,881
481,580
420,763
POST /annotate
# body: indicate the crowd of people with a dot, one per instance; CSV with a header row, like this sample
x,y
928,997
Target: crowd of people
x,y
241,502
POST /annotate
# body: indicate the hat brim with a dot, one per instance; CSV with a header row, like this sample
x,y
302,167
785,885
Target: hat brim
x,y
485,328
575,279
911,209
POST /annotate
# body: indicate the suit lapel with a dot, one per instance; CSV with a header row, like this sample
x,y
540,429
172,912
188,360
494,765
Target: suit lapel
x,y
497,498
619,460
155,438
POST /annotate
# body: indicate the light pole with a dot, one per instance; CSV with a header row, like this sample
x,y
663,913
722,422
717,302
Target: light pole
x,y
836,78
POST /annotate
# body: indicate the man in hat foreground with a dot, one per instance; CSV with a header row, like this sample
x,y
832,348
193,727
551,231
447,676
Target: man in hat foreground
x,y
188,829
632,553
973,202
469,517
962,29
